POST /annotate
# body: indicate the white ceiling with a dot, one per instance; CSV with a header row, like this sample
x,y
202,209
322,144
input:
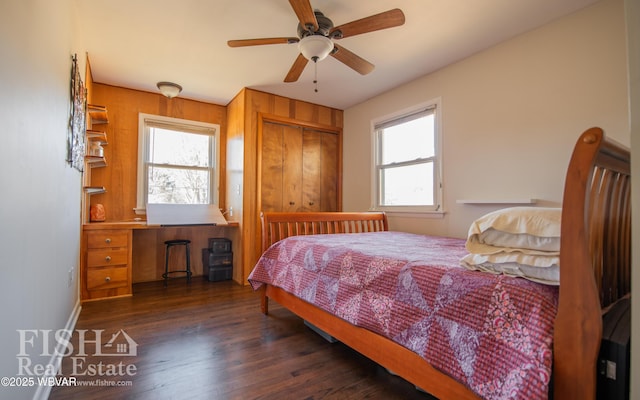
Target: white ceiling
x,y
136,43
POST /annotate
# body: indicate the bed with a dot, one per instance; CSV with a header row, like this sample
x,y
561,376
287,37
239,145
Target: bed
x,y
594,255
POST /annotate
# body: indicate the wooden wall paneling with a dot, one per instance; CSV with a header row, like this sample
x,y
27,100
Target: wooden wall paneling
x,y
236,111
282,106
236,242
239,157
88,81
256,102
149,247
306,111
325,116
200,240
147,256
120,176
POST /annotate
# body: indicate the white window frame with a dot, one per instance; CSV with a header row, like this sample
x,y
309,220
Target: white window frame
x,y
437,208
144,120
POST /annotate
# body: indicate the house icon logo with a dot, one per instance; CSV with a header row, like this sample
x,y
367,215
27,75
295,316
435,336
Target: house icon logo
x,y
120,344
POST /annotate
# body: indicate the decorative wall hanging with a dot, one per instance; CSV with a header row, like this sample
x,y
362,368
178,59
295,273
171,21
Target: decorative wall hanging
x,y
77,118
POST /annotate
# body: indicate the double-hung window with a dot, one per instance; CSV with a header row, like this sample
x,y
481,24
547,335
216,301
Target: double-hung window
x,y
407,161
177,161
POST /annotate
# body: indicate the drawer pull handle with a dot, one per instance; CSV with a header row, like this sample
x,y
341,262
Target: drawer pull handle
x,y
107,279
292,203
108,258
311,203
107,240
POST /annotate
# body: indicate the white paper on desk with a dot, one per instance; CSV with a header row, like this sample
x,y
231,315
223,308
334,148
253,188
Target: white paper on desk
x,y
184,214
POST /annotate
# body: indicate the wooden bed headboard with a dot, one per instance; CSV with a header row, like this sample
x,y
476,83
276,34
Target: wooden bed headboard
x,y
595,257
279,225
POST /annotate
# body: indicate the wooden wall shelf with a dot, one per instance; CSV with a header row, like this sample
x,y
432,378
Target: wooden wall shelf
x,y
97,136
98,114
94,189
95,161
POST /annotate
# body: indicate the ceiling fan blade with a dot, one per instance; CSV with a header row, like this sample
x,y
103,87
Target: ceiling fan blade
x,y
384,20
352,61
296,69
305,13
258,42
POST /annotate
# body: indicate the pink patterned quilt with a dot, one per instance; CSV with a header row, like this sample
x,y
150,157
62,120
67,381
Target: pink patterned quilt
x,y
491,332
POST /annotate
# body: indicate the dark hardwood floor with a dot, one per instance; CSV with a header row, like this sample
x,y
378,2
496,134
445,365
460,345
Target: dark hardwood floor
x,y
208,340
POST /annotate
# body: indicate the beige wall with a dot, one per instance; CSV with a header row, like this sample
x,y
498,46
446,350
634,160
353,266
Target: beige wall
x,y
510,116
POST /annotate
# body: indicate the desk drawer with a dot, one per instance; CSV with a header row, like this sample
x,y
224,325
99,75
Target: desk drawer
x,y
107,278
106,238
97,258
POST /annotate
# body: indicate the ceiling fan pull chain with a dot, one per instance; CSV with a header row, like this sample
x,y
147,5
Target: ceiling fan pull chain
x,y
315,73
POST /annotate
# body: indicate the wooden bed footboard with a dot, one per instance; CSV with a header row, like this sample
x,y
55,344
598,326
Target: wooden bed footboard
x,y
595,258
279,225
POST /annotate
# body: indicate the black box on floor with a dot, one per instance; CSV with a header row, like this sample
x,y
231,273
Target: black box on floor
x,y
614,357
220,245
220,274
217,266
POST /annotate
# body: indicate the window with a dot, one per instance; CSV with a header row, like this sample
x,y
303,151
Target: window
x,y
177,161
407,161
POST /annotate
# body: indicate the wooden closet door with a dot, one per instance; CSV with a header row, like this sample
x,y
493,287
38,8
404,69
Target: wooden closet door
x,y
292,169
272,167
311,170
299,169
320,171
329,172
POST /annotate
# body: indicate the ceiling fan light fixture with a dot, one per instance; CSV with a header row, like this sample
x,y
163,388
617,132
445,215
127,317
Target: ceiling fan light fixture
x,y
169,89
315,47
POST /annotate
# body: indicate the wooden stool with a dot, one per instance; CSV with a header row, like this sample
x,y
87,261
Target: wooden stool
x,y
168,245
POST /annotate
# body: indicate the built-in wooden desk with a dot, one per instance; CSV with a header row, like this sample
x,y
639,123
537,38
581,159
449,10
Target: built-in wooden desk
x,y
114,255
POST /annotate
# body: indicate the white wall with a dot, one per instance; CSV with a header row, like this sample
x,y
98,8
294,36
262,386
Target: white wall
x,y
511,116
40,193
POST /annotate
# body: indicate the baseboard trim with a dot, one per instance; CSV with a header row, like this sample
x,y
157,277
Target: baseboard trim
x,y
42,393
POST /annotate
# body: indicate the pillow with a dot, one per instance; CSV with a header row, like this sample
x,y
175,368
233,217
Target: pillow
x,y
531,260
532,230
547,276
537,268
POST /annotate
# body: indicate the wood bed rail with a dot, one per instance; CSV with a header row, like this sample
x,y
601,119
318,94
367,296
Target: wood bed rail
x,y
595,258
279,225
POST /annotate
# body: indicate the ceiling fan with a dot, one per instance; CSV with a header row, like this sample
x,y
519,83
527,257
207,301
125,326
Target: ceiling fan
x,y
316,35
